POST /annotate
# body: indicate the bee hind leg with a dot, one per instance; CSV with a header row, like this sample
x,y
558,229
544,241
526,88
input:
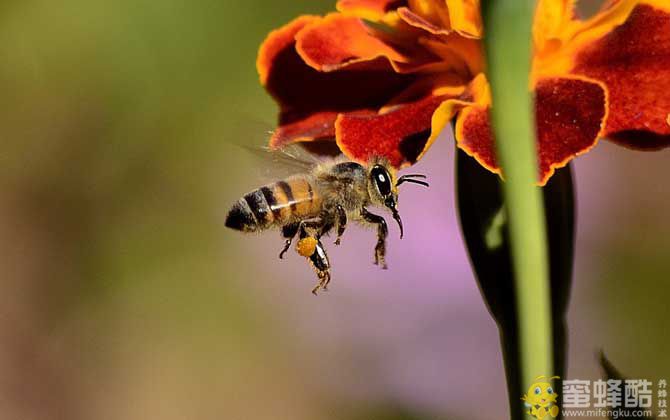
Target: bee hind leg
x,y
319,260
382,233
288,232
310,246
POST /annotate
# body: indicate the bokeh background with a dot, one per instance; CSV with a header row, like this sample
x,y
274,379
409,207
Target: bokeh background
x,y
122,296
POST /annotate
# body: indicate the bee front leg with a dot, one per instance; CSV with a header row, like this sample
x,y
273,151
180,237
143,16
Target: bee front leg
x,y
382,233
288,232
341,216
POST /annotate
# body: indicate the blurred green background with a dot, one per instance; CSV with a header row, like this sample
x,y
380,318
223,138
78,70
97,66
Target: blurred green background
x,y
122,296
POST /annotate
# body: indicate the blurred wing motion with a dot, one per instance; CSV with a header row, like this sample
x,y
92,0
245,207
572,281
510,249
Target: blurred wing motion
x,y
279,163
289,160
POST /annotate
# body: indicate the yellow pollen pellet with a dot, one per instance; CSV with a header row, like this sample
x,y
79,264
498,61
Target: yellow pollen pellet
x,y
306,246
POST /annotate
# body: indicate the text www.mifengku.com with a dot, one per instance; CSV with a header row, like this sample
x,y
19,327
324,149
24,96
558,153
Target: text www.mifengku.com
x,y
602,412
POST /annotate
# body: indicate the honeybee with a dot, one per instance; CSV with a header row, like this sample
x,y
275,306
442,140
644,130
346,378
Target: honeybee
x,y
325,197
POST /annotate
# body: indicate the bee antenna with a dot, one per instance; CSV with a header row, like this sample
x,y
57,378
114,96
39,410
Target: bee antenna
x,y
405,178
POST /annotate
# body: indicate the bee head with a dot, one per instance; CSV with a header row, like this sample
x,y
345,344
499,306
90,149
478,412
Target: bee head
x,y
383,188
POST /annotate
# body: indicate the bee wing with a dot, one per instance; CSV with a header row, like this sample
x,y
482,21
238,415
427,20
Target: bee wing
x,y
292,158
274,164
280,163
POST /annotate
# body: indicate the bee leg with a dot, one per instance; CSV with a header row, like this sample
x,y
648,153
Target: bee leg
x,y
382,232
319,260
310,246
288,232
341,216
314,224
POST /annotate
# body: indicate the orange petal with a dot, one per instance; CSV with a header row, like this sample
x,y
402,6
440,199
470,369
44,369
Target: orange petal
x,y
558,35
477,93
569,118
338,40
461,55
551,20
433,11
465,17
417,21
276,42
443,84
373,10
399,135
461,16
633,61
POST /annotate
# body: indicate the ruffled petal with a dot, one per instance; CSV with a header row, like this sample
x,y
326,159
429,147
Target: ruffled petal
x,y
476,93
399,135
444,16
569,113
373,10
474,136
403,133
552,17
472,131
338,40
418,21
277,42
558,36
310,100
465,17
319,125
633,61
461,55
433,11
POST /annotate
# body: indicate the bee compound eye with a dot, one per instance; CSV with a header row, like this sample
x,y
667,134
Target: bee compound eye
x,y
538,391
382,180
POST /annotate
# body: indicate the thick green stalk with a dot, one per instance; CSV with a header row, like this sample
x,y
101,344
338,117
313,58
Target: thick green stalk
x,y
508,45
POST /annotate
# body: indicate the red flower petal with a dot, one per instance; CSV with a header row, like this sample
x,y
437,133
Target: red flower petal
x,y
319,125
310,100
399,135
474,136
633,61
337,40
569,114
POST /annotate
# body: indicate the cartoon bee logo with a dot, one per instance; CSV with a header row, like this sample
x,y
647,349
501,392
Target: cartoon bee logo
x,y
322,198
541,399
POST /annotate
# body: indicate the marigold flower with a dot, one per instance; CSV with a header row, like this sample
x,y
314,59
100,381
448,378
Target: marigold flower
x,y
384,77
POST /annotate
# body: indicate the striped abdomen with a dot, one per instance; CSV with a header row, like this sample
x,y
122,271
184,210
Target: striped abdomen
x,y
275,204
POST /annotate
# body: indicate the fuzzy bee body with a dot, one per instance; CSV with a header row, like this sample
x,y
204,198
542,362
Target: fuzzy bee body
x,y
310,205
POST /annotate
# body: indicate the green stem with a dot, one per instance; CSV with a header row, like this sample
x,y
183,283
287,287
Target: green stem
x,y
508,48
